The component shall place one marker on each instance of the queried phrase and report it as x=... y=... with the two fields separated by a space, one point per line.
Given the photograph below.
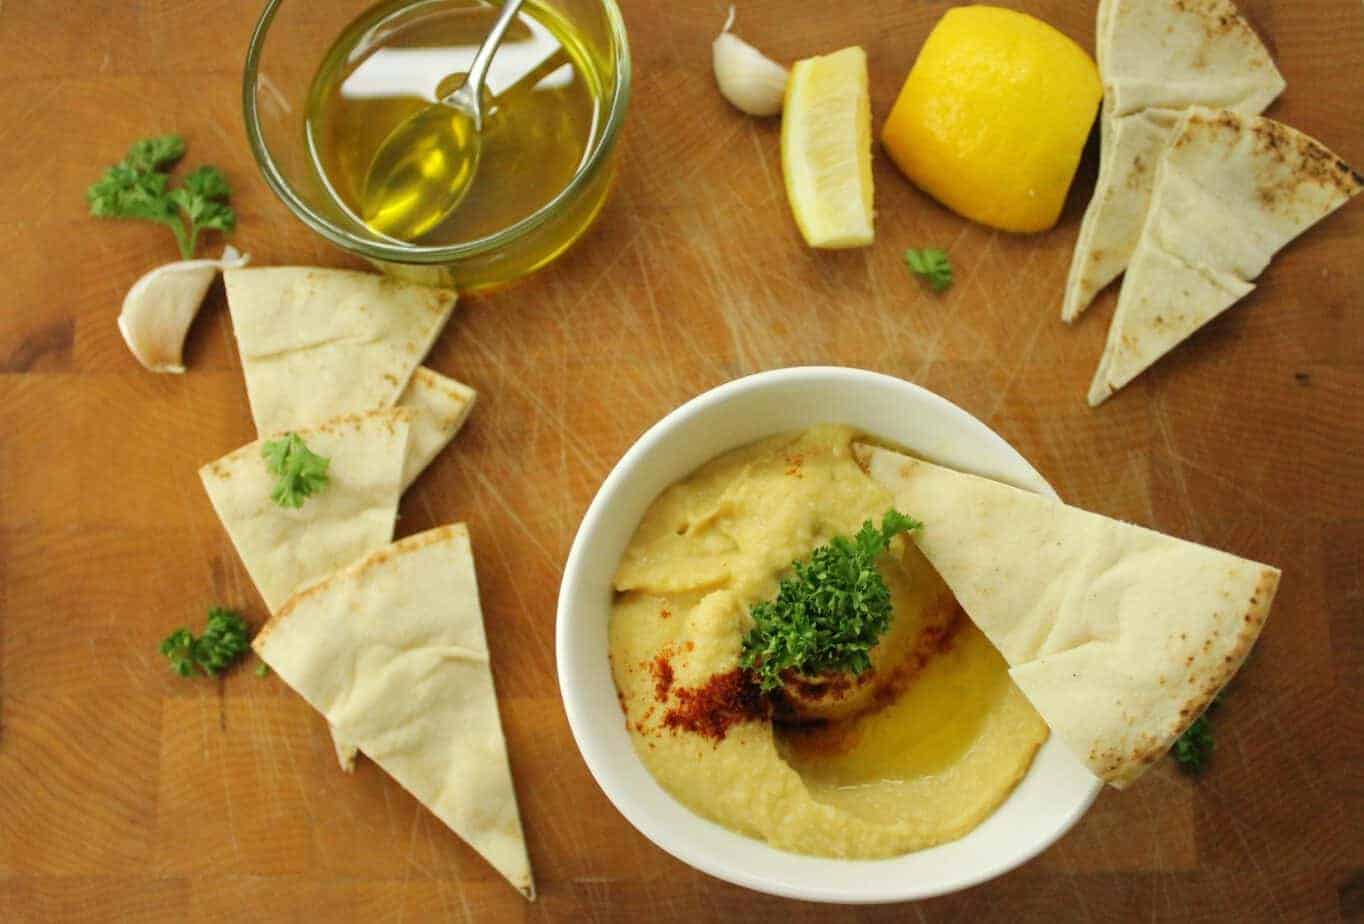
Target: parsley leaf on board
x=178 y=648
x=830 y=612
x=301 y=471
x=224 y=641
x=138 y=187
x=156 y=153
x=932 y=265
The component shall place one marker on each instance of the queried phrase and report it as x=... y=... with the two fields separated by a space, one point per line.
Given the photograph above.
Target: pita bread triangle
x=1119 y=636
x=316 y=343
x=391 y=649
x=1156 y=58
x=284 y=548
x=1172 y=54
x=1230 y=192
x=440 y=405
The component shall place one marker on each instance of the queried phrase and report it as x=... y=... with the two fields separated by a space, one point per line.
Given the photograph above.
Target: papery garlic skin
x=750 y=80
x=159 y=308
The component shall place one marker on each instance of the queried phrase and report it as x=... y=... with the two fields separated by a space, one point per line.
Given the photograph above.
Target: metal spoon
x=425 y=166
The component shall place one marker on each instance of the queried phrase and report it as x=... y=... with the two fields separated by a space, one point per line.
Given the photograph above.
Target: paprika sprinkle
x=723 y=701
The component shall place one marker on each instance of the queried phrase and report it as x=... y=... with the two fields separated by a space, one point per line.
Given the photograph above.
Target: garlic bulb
x=753 y=82
x=160 y=306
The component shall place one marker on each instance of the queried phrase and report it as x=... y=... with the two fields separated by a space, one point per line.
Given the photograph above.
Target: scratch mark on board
x=1176 y=465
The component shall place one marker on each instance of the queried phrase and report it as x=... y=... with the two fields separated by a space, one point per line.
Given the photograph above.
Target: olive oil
x=938 y=753
x=542 y=108
x=421 y=173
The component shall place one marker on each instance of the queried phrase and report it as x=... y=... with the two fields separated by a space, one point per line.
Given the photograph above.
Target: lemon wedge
x=826 y=149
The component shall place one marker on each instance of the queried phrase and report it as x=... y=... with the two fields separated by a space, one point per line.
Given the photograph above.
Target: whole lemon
x=993 y=117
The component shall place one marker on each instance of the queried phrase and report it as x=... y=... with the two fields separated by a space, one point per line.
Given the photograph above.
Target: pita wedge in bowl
x=1156 y=59
x=1119 y=636
x=392 y=650
x=1229 y=193
x=284 y=548
x=316 y=342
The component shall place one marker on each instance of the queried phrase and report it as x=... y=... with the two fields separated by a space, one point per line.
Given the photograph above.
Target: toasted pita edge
x=357 y=568
x=1120 y=769
x=396 y=415
x=446 y=427
x=1320 y=164
x=1212 y=21
x=443 y=301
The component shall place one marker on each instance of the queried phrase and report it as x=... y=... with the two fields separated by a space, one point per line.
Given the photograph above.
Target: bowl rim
x=594 y=755
x=598 y=157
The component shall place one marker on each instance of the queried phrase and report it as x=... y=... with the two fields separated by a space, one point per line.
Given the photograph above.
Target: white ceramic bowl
x=1057 y=789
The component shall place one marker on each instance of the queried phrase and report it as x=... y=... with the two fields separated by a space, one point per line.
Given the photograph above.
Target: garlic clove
x=159 y=308
x=750 y=80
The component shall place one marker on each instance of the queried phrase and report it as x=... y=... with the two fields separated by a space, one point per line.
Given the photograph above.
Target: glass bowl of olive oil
x=326 y=83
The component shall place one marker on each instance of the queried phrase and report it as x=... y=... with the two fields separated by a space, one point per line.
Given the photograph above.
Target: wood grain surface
x=127 y=793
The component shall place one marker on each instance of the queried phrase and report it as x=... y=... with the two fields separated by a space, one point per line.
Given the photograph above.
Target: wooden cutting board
x=127 y=793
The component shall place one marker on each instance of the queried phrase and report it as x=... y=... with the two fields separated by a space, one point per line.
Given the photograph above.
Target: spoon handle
x=469 y=96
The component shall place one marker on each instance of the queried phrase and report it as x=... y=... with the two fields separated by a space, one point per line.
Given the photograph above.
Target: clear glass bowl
x=289 y=43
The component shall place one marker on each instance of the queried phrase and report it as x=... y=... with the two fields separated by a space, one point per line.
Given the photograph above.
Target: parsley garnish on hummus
x=830 y=612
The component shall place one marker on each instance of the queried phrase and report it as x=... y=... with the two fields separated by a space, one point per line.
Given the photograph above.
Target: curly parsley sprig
x=139 y=187
x=225 y=640
x=830 y=612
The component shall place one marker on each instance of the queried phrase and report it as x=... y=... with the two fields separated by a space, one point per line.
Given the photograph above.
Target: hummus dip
x=915 y=752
